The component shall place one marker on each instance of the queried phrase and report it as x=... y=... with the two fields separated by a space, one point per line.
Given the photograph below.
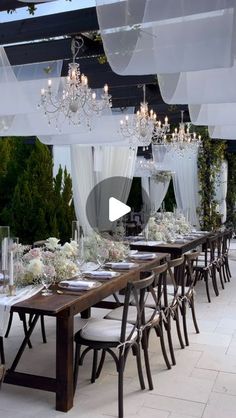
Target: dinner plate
x=79 y=285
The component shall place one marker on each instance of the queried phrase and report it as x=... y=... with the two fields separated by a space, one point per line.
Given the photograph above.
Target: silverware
x=65 y=292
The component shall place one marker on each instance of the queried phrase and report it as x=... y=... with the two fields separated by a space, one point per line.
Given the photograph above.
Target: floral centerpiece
x=53 y=259
x=167 y=227
x=113 y=250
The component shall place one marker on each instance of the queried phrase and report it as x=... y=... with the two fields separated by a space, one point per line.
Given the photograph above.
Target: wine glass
x=46 y=281
x=102 y=256
x=81 y=257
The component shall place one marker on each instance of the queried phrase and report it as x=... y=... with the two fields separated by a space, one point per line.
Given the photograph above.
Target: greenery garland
x=231 y=191
x=31 y=8
x=211 y=155
x=161 y=176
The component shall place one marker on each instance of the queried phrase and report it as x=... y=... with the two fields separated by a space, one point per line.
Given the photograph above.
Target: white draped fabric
x=222 y=132
x=197 y=87
x=148 y=36
x=115 y=161
x=21 y=85
x=155 y=190
x=213 y=114
x=185 y=178
x=221 y=190
x=82 y=180
x=158 y=192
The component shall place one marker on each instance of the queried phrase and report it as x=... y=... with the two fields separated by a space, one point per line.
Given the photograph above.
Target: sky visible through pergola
x=47 y=9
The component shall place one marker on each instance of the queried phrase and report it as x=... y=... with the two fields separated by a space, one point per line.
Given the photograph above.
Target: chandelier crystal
x=183 y=136
x=139 y=128
x=75 y=102
x=180 y=140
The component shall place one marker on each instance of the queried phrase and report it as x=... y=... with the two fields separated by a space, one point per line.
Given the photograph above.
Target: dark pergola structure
x=19 y=38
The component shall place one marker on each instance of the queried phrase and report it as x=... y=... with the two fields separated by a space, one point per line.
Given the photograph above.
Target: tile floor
x=202 y=384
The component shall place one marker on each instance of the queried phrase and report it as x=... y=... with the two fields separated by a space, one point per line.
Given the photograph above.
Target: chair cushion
x=117 y=313
x=149 y=302
x=104 y=330
x=170 y=290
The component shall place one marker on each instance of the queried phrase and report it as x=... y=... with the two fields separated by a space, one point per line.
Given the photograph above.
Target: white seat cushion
x=103 y=330
x=170 y=290
x=149 y=302
x=117 y=313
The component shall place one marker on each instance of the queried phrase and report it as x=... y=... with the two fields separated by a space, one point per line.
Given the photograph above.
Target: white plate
x=78 y=284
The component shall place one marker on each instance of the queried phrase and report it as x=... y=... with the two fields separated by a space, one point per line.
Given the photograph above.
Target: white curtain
x=158 y=191
x=222 y=132
x=155 y=190
x=148 y=36
x=183 y=165
x=213 y=114
x=114 y=161
x=82 y=180
x=196 y=87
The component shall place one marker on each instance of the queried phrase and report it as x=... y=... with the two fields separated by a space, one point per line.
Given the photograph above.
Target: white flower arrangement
x=54 y=260
x=161 y=176
x=113 y=250
x=167 y=228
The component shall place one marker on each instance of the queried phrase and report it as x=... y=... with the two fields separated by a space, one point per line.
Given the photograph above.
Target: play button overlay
x=107 y=208
x=117 y=209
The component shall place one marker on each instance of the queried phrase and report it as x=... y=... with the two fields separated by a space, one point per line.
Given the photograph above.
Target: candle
x=76 y=236
x=4 y=254
x=11 y=270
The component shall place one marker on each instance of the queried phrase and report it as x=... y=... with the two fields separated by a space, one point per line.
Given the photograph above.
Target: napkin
x=122 y=265
x=151 y=243
x=143 y=256
x=100 y=274
x=79 y=284
x=7 y=301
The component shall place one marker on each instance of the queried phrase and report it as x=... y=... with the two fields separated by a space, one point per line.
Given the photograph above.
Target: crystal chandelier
x=75 y=101
x=183 y=136
x=180 y=140
x=160 y=132
x=139 y=128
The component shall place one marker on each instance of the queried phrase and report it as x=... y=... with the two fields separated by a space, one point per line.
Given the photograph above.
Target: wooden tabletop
x=172 y=248
x=79 y=301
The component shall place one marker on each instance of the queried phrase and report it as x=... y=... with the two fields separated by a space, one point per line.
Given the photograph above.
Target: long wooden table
x=64 y=307
x=175 y=249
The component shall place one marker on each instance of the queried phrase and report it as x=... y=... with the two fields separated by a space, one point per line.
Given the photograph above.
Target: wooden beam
x=10 y=5
x=50 y=51
x=59 y=24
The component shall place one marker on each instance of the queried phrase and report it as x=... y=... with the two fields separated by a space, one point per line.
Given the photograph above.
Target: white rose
x=35 y=267
x=68 y=249
x=52 y=243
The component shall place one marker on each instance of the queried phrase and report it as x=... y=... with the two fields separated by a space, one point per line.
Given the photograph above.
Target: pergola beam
x=44 y=27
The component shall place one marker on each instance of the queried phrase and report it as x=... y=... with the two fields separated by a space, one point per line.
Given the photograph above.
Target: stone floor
x=202 y=384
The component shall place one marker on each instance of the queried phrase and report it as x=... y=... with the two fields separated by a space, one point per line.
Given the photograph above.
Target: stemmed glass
x=46 y=281
x=81 y=256
x=102 y=256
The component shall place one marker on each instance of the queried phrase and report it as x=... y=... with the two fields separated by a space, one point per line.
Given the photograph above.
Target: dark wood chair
x=176 y=271
x=117 y=338
x=153 y=314
x=206 y=266
x=227 y=235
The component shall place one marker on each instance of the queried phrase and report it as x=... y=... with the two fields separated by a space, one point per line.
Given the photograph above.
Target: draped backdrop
x=91 y=165
x=185 y=177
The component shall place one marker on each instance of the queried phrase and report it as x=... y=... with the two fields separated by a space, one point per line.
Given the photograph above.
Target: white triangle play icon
x=117 y=209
